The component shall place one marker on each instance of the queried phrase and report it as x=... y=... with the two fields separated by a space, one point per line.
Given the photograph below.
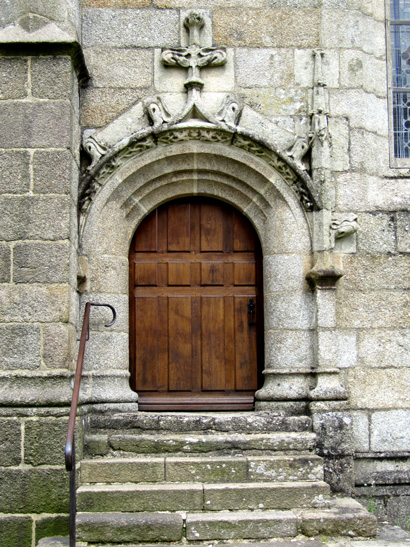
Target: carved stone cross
x=194 y=57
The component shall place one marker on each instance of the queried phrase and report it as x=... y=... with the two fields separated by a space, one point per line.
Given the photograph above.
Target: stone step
x=198 y=496
x=342 y=517
x=244 y=422
x=203 y=469
x=126 y=527
x=221 y=443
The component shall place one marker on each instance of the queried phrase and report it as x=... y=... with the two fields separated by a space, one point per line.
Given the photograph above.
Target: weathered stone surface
x=278 y=468
x=334 y=433
x=101 y=106
x=377 y=233
x=262 y=496
x=265 y=28
x=241 y=525
x=264 y=67
x=52 y=172
x=288 y=348
x=339 y=151
x=10 y=439
x=15 y=531
x=380 y=272
x=282 y=101
x=14 y=172
x=381 y=471
x=363 y=110
x=35 y=125
x=304 y=63
x=209 y=3
x=129 y=527
x=106 y=351
x=49 y=526
x=389 y=429
x=206 y=469
x=53 y=9
x=361 y=192
x=34 y=217
x=13 y=78
x=361 y=141
x=40 y=490
x=19 y=347
x=361 y=434
x=284 y=273
x=116 y=3
x=5 y=263
x=96 y=445
x=337 y=348
x=345 y=517
x=359 y=70
x=114 y=67
x=35 y=262
x=373 y=309
x=384 y=348
x=136 y=497
x=223 y=443
x=59 y=345
x=44 y=441
x=289 y=310
x=123 y=470
x=28 y=303
x=325 y=309
x=383 y=388
x=340 y=28
x=403 y=231
x=108 y=274
x=190 y=422
x=130 y=27
x=52 y=78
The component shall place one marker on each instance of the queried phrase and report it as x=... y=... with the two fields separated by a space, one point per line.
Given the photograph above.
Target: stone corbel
x=298 y=151
x=324 y=274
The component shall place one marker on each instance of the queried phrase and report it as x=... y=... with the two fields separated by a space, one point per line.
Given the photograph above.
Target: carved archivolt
x=107 y=164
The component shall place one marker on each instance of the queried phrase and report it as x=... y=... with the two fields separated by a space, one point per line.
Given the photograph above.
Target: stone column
x=40 y=67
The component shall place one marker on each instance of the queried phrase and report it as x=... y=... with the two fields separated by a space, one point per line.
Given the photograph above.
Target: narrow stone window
x=400 y=78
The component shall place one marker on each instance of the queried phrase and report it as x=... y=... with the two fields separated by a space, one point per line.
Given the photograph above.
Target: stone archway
x=164 y=172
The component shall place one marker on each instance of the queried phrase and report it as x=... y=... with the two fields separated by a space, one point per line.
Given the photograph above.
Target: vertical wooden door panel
x=180 y=344
x=147 y=235
x=211 y=228
x=193 y=264
x=179 y=227
x=213 y=343
x=146 y=355
x=245 y=345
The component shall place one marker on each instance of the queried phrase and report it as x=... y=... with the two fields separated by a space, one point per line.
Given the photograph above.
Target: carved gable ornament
x=157 y=126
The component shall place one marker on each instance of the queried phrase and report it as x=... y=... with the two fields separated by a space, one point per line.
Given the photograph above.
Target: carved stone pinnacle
x=194 y=57
x=194 y=23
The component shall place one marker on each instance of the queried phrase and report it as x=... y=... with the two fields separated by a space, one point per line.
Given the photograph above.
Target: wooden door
x=195 y=308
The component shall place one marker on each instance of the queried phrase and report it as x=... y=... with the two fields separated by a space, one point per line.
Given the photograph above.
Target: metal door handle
x=251 y=312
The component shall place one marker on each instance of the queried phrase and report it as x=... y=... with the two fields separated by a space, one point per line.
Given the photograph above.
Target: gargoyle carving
x=95 y=149
x=157 y=111
x=344 y=226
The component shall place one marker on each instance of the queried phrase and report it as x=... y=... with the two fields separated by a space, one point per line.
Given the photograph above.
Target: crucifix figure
x=194 y=57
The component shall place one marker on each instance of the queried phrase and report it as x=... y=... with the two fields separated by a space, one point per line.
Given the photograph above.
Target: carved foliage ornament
x=205 y=134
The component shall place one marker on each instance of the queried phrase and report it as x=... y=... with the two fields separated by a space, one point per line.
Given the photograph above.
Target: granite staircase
x=188 y=477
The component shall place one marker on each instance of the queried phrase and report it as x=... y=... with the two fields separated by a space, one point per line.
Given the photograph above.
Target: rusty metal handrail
x=70 y=442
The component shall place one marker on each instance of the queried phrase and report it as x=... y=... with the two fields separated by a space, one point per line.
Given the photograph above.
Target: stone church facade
x=287 y=112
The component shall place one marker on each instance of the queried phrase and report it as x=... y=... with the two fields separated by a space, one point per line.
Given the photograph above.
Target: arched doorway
x=196 y=318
